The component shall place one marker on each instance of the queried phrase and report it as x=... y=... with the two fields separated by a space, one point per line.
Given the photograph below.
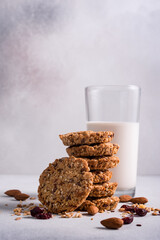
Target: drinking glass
x=117 y=108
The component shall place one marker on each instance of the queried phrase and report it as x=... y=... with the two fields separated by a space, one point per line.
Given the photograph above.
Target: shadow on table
x=104 y=228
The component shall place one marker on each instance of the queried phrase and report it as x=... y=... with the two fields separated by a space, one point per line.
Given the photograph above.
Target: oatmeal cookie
x=108 y=203
x=102 y=163
x=104 y=190
x=86 y=137
x=102 y=149
x=101 y=177
x=65 y=184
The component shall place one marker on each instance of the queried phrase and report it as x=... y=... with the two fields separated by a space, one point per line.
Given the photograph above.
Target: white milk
x=126 y=134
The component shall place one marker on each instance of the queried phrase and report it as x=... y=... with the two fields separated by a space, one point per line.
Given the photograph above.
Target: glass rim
x=129 y=87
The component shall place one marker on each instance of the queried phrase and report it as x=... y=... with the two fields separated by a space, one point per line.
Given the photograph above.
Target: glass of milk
x=117 y=108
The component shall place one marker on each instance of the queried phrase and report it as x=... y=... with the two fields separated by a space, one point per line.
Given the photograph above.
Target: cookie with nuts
x=102 y=149
x=86 y=137
x=101 y=176
x=106 y=203
x=103 y=190
x=102 y=163
x=65 y=184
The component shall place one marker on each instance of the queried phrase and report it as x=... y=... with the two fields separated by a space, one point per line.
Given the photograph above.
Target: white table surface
x=29 y=228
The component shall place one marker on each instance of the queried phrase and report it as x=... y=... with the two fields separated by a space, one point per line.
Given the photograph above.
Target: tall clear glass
x=117 y=108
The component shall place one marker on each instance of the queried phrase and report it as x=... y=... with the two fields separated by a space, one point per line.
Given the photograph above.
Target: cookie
x=65 y=184
x=102 y=163
x=102 y=149
x=104 y=190
x=108 y=203
x=101 y=177
x=86 y=137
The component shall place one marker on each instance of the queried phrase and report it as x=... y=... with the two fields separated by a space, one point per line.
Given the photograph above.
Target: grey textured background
x=50 y=50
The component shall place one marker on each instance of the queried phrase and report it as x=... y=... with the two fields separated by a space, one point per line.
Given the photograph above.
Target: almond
x=21 y=196
x=12 y=192
x=112 y=223
x=140 y=200
x=92 y=210
x=125 y=198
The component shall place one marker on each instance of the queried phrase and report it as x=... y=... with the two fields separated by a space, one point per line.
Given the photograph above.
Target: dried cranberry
x=36 y=211
x=128 y=220
x=128 y=208
x=43 y=215
x=124 y=206
x=141 y=211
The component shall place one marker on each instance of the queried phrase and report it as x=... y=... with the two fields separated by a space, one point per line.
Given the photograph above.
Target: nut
x=155 y=213
x=112 y=223
x=12 y=192
x=21 y=196
x=125 y=198
x=140 y=200
x=92 y=210
x=121 y=209
x=148 y=209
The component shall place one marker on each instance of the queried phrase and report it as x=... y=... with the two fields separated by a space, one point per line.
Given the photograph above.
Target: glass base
x=130 y=192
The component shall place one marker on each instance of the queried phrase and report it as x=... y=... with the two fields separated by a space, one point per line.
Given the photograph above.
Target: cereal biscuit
x=102 y=149
x=65 y=184
x=101 y=177
x=86 y=137
x=104 y=190
x=102 y=163
x=108 y=203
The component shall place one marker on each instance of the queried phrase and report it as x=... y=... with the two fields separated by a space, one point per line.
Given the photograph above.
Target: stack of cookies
x=99 y=152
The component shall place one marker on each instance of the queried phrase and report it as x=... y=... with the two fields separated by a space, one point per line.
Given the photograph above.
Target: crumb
x=155 y=213
x=138 y=225
x=77 y=215
x=18 y=218
x=121 y=210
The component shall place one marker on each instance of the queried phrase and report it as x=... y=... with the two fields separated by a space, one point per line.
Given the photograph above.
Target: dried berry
x=128 y=220
x=36 y=210
x=128 y=208
x=43 y=215
x=141 y=211
x=125 y=206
